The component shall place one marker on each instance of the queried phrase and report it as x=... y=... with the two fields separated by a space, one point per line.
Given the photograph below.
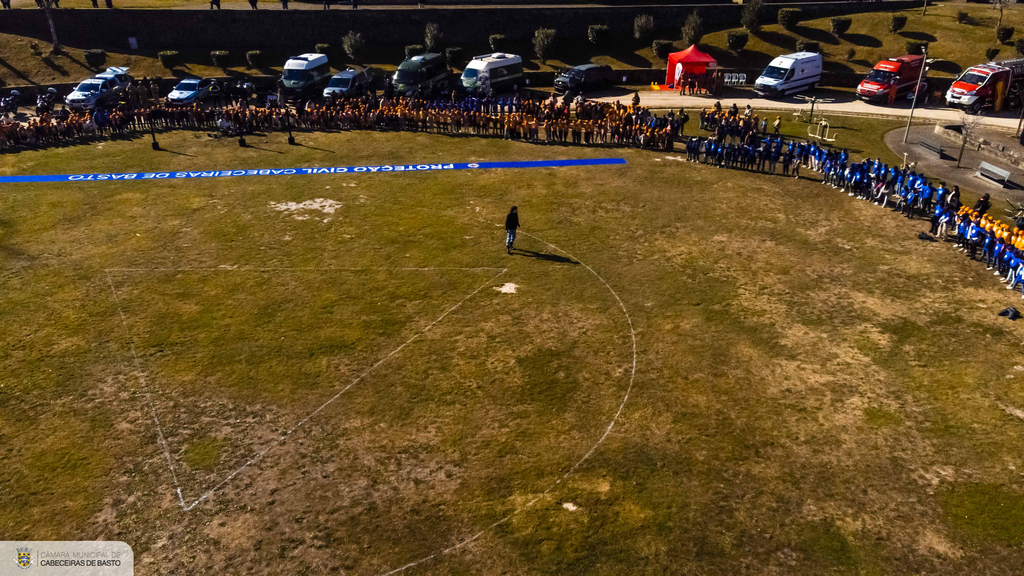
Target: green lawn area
x=955 y=45
x=817 y=391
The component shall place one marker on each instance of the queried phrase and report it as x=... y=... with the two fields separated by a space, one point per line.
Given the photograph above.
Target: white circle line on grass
x=608 y=430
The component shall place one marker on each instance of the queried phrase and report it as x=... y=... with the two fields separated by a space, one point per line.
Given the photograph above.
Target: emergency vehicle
x=890 y=78
x=996 y=84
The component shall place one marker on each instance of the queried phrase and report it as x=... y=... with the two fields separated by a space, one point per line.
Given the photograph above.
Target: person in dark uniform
x=511 y=224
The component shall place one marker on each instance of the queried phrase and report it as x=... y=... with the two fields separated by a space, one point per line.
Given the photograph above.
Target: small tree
x=543 y=40
x=599 y=35
x=220 y=58
x=95 y=58
x=851 y=54
x=736 y=40
x=254 y=58
x=453 y=56
x=662 y=48
x=354 y=45
x=496 y=42
x=46 y=6
x=991 y=53
x=808 y=46
x=414 y=50
x=1001 y=5
x=168 y=58
x=789 y=18
x=1004 y=33
x=962 y=17
x=693 y=29
x=751 y=16
x=915 y=47
x=643 y=26
x=432 y=36
x=897 y=23
x=322 y=48
x=969 y=126
x=841 y=25
x=1019 y=46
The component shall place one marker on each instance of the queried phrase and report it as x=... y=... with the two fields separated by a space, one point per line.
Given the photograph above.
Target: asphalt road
x=845 y=102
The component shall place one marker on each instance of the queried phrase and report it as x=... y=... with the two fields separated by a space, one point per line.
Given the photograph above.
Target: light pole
x=920 y=76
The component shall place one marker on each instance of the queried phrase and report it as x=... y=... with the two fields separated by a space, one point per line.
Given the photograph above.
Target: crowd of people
x=230 y=112
x=726 y=139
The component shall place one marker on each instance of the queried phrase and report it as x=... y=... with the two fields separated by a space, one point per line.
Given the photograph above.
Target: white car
x=100 y=90
x=190 y=91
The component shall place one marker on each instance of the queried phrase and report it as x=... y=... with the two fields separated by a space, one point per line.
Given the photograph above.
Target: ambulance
x=996 y=84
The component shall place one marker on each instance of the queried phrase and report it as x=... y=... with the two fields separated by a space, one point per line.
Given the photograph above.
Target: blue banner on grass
x=371 y=169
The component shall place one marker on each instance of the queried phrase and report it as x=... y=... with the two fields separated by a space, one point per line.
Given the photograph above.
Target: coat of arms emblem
x=24 y=560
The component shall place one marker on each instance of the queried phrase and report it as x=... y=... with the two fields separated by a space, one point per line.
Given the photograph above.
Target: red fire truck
x=996 y=84
x=890 y=78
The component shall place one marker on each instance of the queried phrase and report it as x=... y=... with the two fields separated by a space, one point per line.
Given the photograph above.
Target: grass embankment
x=955 y=45
x=817 y=391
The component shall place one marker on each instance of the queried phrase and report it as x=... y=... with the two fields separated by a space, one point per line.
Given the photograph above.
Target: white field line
x=145 y=391
x=608 y=430
x=259 y=456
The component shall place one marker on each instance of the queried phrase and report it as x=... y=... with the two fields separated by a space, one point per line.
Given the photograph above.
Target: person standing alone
x=511 y=224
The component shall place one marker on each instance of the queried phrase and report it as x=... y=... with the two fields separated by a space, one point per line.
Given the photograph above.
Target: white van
x=304 y=76
x=789 y=74
x=495 y=72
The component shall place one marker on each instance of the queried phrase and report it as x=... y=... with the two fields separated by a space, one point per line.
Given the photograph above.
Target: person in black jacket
x=511 y=224
x=982 y=205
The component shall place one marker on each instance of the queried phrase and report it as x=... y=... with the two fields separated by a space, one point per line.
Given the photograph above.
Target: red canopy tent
x=689 y=60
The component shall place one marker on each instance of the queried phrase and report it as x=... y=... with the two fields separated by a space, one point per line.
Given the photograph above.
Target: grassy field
x=816 y=391
x=955 y=45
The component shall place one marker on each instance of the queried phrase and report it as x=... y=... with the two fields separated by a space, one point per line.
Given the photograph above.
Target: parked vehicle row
x=999 y=85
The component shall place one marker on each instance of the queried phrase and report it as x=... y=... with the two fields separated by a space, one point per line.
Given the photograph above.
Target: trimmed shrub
x=962 y=17
x=753 y=12
x=915 y=47
x=693 y=29
x=496 y=42
x=897 y=23
x=168 y=58
x=95 y=58
x=543 y=41
x=662 y=48
x=789 y=18
x=354 y=45
x=851 y=54
x=433 y=38
x=808 y=46
x=322 y=48
x=220 y=58
x=841 y=25
x=1004 y=33
x=254 y=58
x=599 y=35
x=1019 y=46
x=453 y=56
x=643 y=26
x=736 y=40
x=991 y=53
x=414 y=50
